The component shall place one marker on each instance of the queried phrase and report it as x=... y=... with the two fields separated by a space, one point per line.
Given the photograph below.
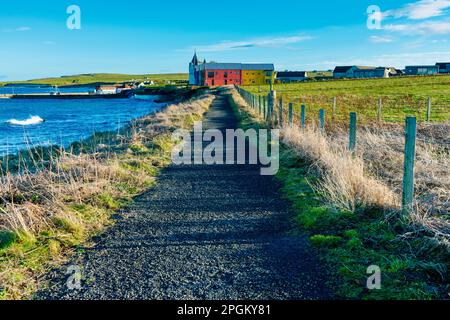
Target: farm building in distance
x=219 y=74
x=291 y=76
x=444 y=67
x=421 y=70
x=361 y=72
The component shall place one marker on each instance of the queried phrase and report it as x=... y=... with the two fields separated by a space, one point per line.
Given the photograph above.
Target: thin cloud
x=399 y=60
x=381 y=39
x=19 y=29
x=424 y=17
x=420 y=10
x=423 y=28
x=255 y=43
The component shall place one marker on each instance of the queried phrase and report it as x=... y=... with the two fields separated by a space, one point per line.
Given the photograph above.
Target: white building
x=106 y=90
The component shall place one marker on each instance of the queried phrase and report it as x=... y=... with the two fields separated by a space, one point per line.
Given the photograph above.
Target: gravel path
x=204 y=232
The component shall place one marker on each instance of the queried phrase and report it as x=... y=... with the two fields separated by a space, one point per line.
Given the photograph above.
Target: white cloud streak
x=399 y=60
x=424 y=17
x=423 y=28
x=381 y=39
x=19 y=29
x=423 y=9
x=275 y=42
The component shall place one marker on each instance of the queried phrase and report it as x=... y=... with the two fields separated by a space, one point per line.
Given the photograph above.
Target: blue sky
x=160 y=36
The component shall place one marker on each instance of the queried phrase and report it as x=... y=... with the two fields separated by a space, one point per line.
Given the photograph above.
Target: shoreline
x=174 y=98
x=88 y=142
x=75 y=195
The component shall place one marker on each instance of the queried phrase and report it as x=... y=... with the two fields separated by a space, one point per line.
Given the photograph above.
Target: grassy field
x=400 y=97
x=103 y=78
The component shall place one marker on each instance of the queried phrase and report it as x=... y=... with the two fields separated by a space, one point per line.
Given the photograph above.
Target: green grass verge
x=350 y=242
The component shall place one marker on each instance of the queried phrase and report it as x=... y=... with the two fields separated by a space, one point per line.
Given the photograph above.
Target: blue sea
x=44 y=122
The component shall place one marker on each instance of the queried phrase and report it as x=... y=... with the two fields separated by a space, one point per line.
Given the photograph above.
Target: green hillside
x=84 y=79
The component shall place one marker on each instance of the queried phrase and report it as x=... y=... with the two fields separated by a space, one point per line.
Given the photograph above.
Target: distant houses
x=218 y=74
x=421 y=70
x=291 y=76
x=444 y=67
x=364 y=72
x=113 y=89
x=106 y=90
x=221 y=74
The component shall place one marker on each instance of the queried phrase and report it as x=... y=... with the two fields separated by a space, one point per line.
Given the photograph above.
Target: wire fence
x=383 y=109
x=278 y=113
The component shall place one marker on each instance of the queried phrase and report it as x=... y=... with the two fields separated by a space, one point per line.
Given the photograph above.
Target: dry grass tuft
x=373 y=176
x=344 y=180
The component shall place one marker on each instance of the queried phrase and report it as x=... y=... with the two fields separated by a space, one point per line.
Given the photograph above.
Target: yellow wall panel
x=254 y=77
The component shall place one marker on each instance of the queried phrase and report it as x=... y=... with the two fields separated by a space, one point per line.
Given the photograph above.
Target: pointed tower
x=192 y=70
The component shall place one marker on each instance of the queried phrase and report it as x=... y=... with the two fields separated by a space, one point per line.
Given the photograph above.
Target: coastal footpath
x=203 y=232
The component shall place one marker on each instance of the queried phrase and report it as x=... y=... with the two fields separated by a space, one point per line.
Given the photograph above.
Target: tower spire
x=195 y=59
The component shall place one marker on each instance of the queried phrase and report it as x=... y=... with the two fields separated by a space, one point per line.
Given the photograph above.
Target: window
x=210 y=74
x=423 y=71
x=225 y=75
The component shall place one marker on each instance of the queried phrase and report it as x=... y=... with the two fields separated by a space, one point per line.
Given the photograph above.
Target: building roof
x=195 y=59
x=435 y=66
x=222 y=66
x=258 y=66
x=365 y=68
x=443 y=64
x=342 y=69
x=238 y=66
x=291 y=74
x=105 y=87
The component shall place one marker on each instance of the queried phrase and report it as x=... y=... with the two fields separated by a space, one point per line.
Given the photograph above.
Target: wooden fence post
x=429 y=110
x=334 y=110
x=264 y=107
x=303 y=117
x=352 y=136
x=270 y=101
x=272 y=108
x=380 y=110
x=322 y=120
x=291 y=113
x=408 y=171
x=281 y=111
x=259 y=104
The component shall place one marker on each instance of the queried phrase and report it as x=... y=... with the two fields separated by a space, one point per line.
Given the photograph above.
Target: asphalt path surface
x=215 y=232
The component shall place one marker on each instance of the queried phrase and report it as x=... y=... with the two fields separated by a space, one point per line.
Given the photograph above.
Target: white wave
x=28 y=122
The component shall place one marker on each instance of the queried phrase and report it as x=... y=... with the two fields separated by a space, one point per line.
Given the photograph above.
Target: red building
x=215 y=74
x=222 y=74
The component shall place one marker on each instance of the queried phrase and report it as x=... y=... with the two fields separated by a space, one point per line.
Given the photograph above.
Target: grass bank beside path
x=60 y=202
x=352 y=216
